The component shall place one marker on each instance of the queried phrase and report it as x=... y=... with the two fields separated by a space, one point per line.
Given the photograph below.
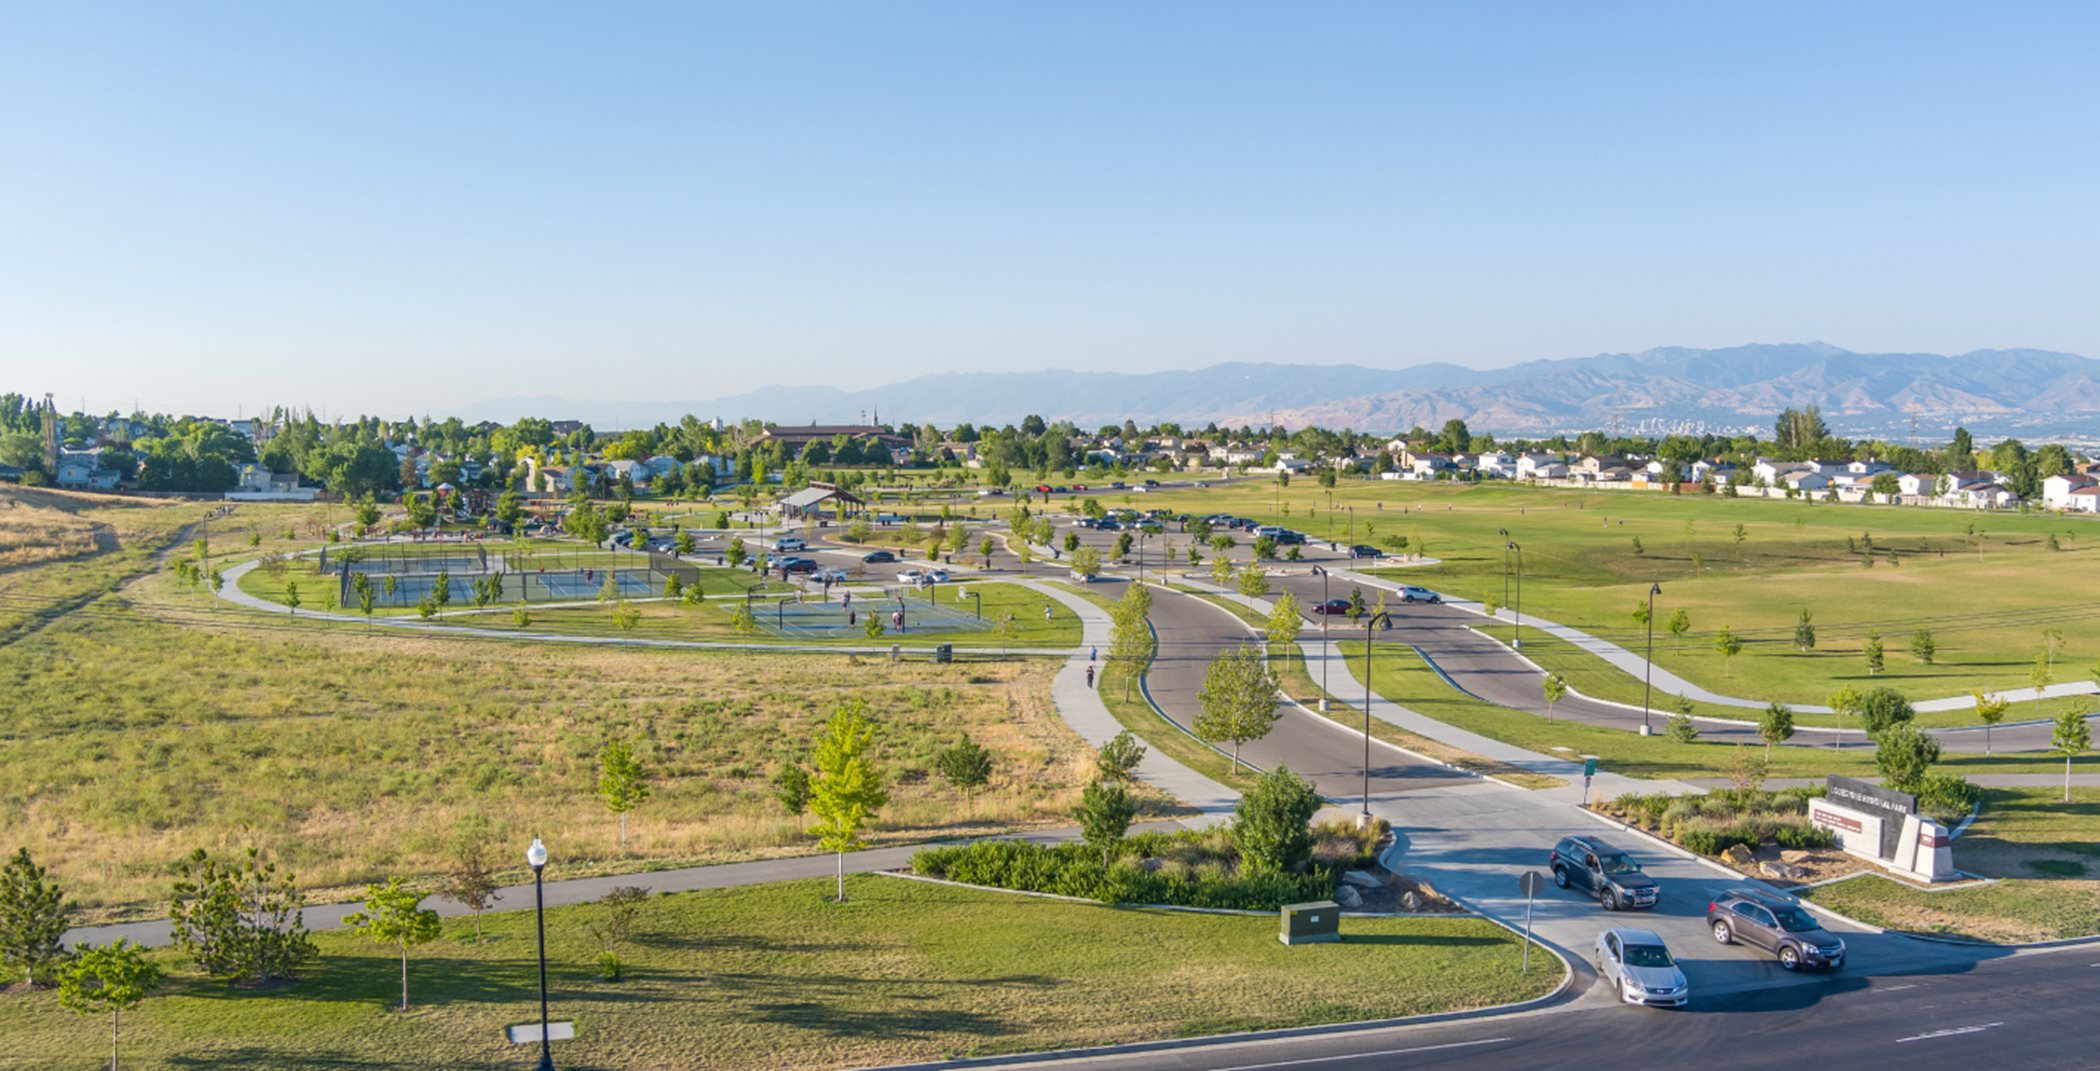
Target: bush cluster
x=1718 y=820
x=1946 y=797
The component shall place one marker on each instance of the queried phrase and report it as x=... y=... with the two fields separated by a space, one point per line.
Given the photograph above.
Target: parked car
x=796 y=565
x=1087 y=522
x=1776 y=923
x=1077 y=487
x=1151 y=527
x=1084 y=578
x=1202 y=483
x=911 y=576
x=1289 y=538
x=1109 y=524
x=1042 y=488
x=990 y=492
x=1411 y=593
x=1640 y=967
x=936 y=576
x=1602 y=871
x=878 y=556
x=829 y=576
x=1117 y=486
x=1364 y=550
x=790 y=543
x=1331 y=606
x=1151 y=483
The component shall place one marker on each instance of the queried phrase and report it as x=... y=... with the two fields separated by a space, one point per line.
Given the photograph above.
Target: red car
x=1042 y=488
x=1331 y=606
x=1078 y=487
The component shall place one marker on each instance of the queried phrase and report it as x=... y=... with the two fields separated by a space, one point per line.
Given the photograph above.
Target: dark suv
x=1776 y=923
x=1605 y=872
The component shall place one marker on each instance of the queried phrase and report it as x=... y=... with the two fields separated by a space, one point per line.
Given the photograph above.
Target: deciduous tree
x=622 y=784
x=847 y=789
x=115 y=978
x=1271 y=823
x=394 y=915
x=1239 y=699
x=2071 y=738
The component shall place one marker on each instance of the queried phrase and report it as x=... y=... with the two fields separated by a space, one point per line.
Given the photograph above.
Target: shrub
x=1946 y=797
x=1191 y=873
x=1802 y=837
x=1270 y=823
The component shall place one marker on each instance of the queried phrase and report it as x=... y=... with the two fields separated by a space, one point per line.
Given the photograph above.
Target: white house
x=1535 y=466
x=2082 y=499
x=2056 y=490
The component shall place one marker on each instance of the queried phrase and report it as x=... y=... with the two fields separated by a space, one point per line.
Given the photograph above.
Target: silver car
x=1639 y=966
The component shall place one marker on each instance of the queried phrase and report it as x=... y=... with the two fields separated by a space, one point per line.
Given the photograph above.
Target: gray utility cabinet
x=1310 y=924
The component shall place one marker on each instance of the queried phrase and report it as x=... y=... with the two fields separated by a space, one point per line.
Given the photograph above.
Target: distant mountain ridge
x=1734 y=387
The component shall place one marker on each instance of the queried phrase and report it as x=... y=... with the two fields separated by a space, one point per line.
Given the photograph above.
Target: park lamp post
x=1516 y=641
x=1370 y=623
x=1648 y=666
x=1504 y=533
x=1321 y=572
x=536 y=857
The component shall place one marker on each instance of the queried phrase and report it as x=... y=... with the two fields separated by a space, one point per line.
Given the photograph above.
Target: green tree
x=1283 y=624
x=1555 y=688
x=2041 y=674
x=114 y=978
x=1253 y=582
x=1875 y=660
x=622 y=784
x=1118 y=759
x=1903 y=753
x=966 y=766
x=1922 y=646
x=1239 y=699
x=673 y=587
x=471 y=880
x=394 y=915
x=33 y=919
x=1640 y=612
x=1727 y=646
x=1805 y=633
x=1681 y=727
x=736 y=552
x=791 y=789
x=1638 y=552
x=626 y=615
x=1105 y=812
x=1271 y=824
x=367 y=512
x=1881 y=708
x=1221 y=570
x=871 y=625
x=1846 y=700
x=521 y=617
x=1680 y=622
x=291 y=594
x=239 y=920
x=1990 y=710
x=1086 y=561
x=2071 y=738
x=744 y=623
x=847 y=789
x=1775 y=725
x=1130 y=633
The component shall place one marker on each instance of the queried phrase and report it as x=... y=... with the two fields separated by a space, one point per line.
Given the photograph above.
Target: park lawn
x=775 y=976
x=2013 y=911
x=1594 y=677
x=1986 y=612
x=1402 y=676
x=714 y=620
x=135 y=732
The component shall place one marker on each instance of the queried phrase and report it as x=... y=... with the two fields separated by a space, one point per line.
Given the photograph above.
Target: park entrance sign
x=1883 y=825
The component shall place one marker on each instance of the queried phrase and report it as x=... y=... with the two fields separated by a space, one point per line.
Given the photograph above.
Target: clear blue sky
x=408 y=207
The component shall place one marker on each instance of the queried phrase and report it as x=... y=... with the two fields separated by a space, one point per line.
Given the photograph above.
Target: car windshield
x=1618 y=864
x=1795 y=920
x=1647 y=956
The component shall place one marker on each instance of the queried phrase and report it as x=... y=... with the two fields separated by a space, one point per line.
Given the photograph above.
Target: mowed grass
x=133 y=733
x=773 y=976
x=1986 y=597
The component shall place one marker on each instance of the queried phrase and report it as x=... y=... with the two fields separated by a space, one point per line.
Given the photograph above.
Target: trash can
x=1311 y=923
x=944 y=652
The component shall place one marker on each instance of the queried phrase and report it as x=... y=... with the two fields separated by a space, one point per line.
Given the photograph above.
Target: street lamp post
x=536 y=857
x=1504 y=533
x=976 y=601
x=1648 y=667
x=1516 y=641
x=1324 y=615
x=1369 y=623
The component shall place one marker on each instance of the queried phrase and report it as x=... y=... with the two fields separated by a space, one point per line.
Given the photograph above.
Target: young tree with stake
x=394 y=915
x=847 y=789
x=2071 y=738
x=622 y=786
x=1555 y=688
x=967 y=767
x=1775 y=725
x=1990 y=710
x=1239 y=699
x=113 y=977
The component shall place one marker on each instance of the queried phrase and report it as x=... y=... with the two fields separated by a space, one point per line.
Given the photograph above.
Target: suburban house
x=2082 y=499
x=258 y=484
x=1803 y=478
x=1534 y=466
x=82 y=470
x=1425 y=465
x=2057 y=490
x=796 y=439
x=1290 y=464
x=1500 y=464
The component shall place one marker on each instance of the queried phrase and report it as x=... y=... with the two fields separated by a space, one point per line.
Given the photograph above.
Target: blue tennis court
x=831 y=621
x=589 y=584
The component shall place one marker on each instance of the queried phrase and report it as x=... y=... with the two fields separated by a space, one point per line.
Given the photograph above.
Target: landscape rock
x=1362 y=879
x=1410 y=902
x=1772 y=868
x=1796 y=856
x=1737 y=855
x=1348 y=897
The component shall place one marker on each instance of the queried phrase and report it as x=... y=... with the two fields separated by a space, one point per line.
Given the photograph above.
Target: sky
x=412 y=207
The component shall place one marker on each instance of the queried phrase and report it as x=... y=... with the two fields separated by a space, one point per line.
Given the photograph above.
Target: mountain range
x=2033 y=392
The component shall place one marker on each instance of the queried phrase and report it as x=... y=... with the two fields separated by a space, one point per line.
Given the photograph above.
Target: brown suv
x=1776 y=923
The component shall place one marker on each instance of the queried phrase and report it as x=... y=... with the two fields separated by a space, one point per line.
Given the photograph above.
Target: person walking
x=1046 y=615
x=1090 y=675
x=1092 y=653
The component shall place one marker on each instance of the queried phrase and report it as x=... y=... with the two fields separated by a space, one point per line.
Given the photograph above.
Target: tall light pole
x=1369 y=623
x=1330 y=515
x=1648 y=668
x=536 y=857
x=1324 y=615
x=1504 y=533
x=1516 y=641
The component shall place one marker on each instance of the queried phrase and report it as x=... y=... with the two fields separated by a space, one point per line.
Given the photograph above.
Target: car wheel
x=1560 y=877
x=1610 y=900
x=1721 y=934
x=1789 y=957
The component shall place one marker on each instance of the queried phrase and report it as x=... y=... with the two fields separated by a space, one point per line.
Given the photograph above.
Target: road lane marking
x=1894 y=988
x=1954 y=1032
x=1366 y=1055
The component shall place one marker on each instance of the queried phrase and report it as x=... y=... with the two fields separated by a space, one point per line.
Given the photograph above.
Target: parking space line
x=1949 y=1033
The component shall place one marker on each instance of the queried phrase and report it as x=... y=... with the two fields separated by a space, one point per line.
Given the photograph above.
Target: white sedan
x=1639 y=966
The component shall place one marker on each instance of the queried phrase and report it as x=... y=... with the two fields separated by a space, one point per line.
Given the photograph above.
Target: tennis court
x=832 y=621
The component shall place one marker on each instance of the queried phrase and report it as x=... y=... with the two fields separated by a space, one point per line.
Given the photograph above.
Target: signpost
x=1531 y=881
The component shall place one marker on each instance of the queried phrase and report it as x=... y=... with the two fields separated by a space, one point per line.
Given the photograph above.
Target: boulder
x=1737 y=855
x=1773 y=868
x=1410 y=902
x=1348 y=897
x=1362 y=879
x=1795 y=856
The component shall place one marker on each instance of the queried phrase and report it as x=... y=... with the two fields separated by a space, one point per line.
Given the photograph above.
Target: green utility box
x=944 y=653
x=1311 y=924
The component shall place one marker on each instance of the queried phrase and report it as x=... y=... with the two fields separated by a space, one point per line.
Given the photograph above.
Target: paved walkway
x=1667 y=682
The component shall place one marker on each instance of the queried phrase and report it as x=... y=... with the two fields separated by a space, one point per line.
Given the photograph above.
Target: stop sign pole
x=1531 y=881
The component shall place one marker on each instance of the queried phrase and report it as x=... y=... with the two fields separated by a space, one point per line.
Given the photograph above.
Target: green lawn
x=1401 y=676
x=1986 y=612
x=773 y=976
x=2016 y=910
